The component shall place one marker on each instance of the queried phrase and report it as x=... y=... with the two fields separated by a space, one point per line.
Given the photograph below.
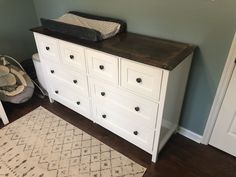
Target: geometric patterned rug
x=41 y=144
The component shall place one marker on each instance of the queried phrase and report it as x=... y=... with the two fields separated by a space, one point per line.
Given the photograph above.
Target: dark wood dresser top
x=157 y=52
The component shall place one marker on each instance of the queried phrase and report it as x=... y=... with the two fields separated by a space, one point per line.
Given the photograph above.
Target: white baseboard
x=189 y=134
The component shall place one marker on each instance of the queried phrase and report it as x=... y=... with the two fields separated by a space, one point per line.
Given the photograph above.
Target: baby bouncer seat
x=15 y=85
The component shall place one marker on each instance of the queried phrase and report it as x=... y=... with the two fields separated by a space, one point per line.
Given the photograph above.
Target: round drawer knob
x=72 y=57
x=56 y=91
x=47 y=48
x=52 y=71
x=75 y=81
x=137 y=109
x=101 y=67
x=138 y=80
x=104 y=116
x=103 y=93
x=135 y=132
x=78 y=103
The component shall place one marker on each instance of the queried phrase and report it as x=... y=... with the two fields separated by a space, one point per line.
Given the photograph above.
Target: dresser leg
x=51 y=100
x=155 y=158
x=3 y=115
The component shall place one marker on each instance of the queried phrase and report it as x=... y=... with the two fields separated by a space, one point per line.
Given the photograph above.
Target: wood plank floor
x=181 y=157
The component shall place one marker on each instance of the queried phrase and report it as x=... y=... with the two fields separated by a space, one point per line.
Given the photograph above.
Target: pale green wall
x=208 y=24
x=16 y=18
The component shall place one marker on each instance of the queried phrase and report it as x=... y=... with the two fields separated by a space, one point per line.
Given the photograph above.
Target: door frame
x=220 y=93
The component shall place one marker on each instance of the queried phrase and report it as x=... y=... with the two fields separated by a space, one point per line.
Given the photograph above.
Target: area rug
x=41 y=144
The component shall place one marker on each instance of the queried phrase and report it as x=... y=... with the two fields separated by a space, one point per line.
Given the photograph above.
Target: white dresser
x=139 y=102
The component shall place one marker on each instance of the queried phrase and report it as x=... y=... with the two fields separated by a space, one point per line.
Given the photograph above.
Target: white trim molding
x=220 y=93
x=190 y=135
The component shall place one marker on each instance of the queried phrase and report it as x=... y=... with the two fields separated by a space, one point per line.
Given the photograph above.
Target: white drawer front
x=144 y=109
x=103 y=66
x=62 y=92
x=125 y=125
x=140 y=78
x=47 y=47
x=72 y=79
x=72 y=55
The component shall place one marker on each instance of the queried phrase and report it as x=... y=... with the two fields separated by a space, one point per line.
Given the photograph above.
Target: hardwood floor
x=181 y=157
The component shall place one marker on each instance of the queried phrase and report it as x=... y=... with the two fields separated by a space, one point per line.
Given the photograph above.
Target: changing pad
x=85 y=26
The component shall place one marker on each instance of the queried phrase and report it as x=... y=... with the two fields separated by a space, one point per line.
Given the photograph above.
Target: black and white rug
x=41 y=144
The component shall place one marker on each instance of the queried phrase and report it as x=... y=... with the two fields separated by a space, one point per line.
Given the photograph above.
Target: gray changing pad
x=106 y=28
x=85 y=26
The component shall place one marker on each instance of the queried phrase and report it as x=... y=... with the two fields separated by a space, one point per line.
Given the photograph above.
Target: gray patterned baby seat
x=15 y=85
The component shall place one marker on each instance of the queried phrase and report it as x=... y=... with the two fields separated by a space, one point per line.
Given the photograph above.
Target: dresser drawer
x=103 y=66
x=70 y=78
x=140 y=107
x=72 y=55
x=141 y=78
x=66 y=94
x=125 y=125
x=48 y=48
